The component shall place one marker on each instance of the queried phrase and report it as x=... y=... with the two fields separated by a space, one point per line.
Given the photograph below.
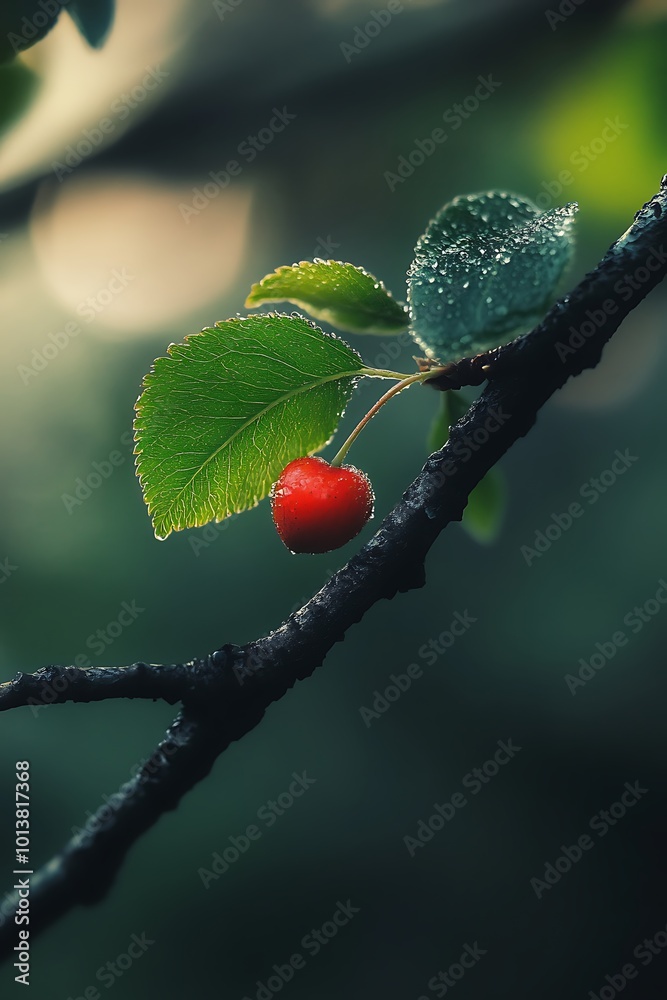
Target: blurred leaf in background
x=604 y=123
x=23 y=23
x=320 y=183
x=486 y=505
x=93 y=18
x=18 y=85
x=485 y=510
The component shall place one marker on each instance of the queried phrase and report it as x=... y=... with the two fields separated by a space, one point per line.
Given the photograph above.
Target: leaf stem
x=405 y=381
x=383 y=373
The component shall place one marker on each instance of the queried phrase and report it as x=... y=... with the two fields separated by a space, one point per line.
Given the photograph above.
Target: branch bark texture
x=224 y=695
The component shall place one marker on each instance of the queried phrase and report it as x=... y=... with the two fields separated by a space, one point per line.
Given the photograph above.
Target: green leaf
x=23 y=23
x=452 y=407
x=341 y=294
x=18 y=85
x=93 y=18
x=15 y=34
x=485 y=510
x=487 y=266
x=226 y=410
x=438 y=434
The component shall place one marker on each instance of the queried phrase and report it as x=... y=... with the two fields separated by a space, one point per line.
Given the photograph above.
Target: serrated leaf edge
x=147 y=380
x=254 y=299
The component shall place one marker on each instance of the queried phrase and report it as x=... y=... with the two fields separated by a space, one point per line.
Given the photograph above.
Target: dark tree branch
x=226 y=694
x=55 y=685
x=84 y=870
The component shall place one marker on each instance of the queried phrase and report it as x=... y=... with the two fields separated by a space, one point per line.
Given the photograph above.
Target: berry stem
x=405 y=381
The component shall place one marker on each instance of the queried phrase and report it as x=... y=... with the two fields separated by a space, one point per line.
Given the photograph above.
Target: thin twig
x=226 y=694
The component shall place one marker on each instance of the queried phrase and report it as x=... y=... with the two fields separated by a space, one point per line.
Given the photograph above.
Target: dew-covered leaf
x=487 y=267
x=333 y=292
x=227 y=409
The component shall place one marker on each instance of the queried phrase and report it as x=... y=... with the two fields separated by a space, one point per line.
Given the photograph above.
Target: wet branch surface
x=224 y=695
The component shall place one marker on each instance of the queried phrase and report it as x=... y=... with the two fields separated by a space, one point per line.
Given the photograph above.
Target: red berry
x=318 y=507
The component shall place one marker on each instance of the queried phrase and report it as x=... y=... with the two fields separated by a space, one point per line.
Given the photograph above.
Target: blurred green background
x=182 y=86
